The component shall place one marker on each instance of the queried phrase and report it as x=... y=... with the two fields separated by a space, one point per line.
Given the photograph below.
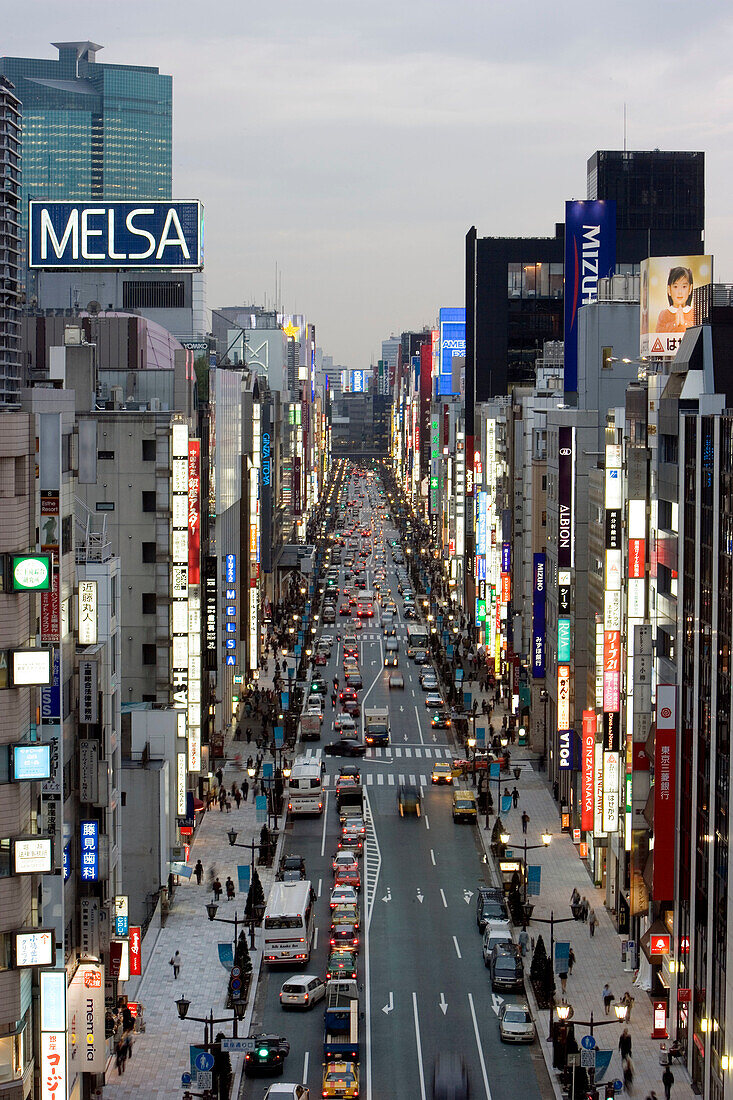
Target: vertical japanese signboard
x=664 y=792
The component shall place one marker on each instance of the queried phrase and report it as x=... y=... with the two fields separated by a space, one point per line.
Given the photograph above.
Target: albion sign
x=63 y=235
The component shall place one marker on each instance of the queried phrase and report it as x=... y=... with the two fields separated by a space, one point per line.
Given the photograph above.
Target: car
x=408 y=800
x=388 y=617
x=506 y=967
x=343 y=895
x=321 y=657
x=328 y=616
x=353 y=816
x=344 y=937
x=348 y=695
x=345 y=724
x=348 y=876
x=287 y=1091
x=440 y=721
x=450 y=1077
x=420 y=656
x=318 y=686
x=391 y=659
x=493 y=934
x=344 y=859
x=313 y=710
x=346 y=914
x=345 y=746
x=350 y=771
x=464 y=805
x=433 y=699
x=516 y=1024
x=351 y=841
x=390 y=630
x=341 y=965
x=345 y=609
x=430 y=682
x=351 y=706
x=442 y=772
x=490 y=907
x=396 y=680
x=410 y=612
x=353 y=679
x=351 y=646
x=291 y=868
x=268 y=1056
x=357 y=624
x=302 y=991
x=340 y=1079
x=327 y=639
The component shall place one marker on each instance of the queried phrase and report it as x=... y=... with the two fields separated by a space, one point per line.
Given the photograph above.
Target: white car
x=344 y=859
x=314 y=711
x=433 y=699
x=284 y=1091
x=343 y=895
x=516 y=1024
x=302 y=991
x=327 y=639
x=345 y=725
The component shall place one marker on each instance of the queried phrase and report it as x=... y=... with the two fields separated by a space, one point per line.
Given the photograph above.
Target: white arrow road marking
x=386 y=1009
x=496 y=1003
x=467 y=895
x=443 y=1004
x=388 y=895
x=458 y=950
x=405 y=737
x=435 y=737
x=445 y=903
x=401 y=708
x=420 y=896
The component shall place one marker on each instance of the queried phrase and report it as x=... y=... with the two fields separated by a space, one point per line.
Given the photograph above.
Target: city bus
x=305 y=787
x=365 y=603
x=289 y=922
x=417 y=638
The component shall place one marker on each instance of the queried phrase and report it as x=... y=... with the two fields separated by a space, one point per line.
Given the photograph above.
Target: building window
x=66 y=453
x=154 y=294
x=148 y=500
x=150 y=698
x=67 y=534
x=149 y=603
x=148 y=450
x=106 y=456
x=149 y=552
x=148 y=654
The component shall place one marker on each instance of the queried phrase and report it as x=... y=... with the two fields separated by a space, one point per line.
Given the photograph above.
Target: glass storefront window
x=13 y=1055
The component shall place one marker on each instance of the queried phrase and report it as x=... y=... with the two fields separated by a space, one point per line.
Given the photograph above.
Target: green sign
x=563 y=640
x=481 y=610
x=31 y=572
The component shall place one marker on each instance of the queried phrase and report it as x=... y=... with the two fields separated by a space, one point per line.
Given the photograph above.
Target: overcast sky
x=353 y=145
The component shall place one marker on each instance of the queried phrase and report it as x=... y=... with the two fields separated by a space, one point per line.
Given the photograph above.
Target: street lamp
x=211 y=910
x=183 y=1005
x=471 y=744
x=565 y=1013
x=546 y=838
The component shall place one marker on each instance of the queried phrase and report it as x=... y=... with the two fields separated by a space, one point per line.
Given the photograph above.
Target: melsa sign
x=63 y=235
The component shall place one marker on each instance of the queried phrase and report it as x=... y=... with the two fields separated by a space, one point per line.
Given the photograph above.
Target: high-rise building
x=10 y=167
x=92 y=130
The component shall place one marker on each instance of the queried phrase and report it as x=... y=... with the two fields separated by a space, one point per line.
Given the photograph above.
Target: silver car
x=516 y=1024
x=302 y=991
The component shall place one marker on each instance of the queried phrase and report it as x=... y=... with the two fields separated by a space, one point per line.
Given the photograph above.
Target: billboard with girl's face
x=667 y=287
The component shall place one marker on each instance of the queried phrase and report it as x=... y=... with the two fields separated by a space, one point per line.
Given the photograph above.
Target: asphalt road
x=423 y=986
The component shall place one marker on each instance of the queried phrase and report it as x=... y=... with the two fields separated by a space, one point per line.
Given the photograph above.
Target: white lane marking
x=445 y=903
x=320 y=883
x=478 y=1044
x=427 y=823
x=380 y=780
x=325 y=822
x=419 y=1048
x=432 y=857
x=390 y=780
x=315 y=938
x=306 y=1059
x=372 y=879
x=419 y=726
x=458 y=950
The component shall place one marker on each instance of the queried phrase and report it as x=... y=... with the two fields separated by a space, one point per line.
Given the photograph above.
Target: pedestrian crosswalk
x=390 y=779
x=392 y=752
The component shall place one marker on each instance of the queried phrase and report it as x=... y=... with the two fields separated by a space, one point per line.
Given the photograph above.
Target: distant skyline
x=354 y=147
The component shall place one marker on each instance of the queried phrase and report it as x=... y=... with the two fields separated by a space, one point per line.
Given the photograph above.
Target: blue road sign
x=185 y=1078
x=588 y=1042
x=204 y=1061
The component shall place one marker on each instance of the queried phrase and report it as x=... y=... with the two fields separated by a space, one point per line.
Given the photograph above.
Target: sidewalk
x=161 y=1054
x=598 y=959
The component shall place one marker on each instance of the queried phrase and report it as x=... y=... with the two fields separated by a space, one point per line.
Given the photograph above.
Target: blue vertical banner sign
x=590 y=255
x=538 y=618
x=452 y=322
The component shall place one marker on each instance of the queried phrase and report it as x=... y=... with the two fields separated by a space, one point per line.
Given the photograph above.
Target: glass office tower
x=92 y=130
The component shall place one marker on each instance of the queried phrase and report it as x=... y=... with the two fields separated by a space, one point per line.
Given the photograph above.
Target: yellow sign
x=291 y=330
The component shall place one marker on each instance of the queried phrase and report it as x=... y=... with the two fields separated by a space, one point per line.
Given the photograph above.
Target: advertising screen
x=538 y=617
x=667 y=287
x=77 y=235
x=590 y=255
x=452 y=322
x=31 y=666
x=30 y=761
x=31 y=572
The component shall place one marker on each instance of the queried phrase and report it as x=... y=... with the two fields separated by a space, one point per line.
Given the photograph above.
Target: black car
x=408 y=799
x=347 y=746
x=490 y=905
x=354 y=680
x=349 y=770
x=409 y=612
x=291 y=869
x=450 y=1077
x=268 y=1056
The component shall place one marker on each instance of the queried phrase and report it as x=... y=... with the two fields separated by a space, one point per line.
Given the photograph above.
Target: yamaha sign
x=77 y=235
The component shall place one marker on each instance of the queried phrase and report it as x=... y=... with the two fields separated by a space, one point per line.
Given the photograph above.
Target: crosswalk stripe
x=418 y=752
x=380 y=779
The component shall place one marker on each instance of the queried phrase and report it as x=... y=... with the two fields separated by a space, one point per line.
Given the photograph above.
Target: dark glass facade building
x=10 y=184
x=514 y=285
x=92 y=130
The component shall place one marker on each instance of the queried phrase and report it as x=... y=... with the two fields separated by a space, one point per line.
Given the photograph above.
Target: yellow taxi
x=464 y=805
x=340 y=1079
x=442 y=773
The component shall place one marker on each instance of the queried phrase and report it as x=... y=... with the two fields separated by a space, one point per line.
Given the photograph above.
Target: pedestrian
x=238 y=797
x=608 y=997
x=556 y=790
x=120 y=1056
x=575 y=898
x=245 y=789
x=216 y=887
x=624 y=1044
x=563 y=976
x=592 y=922
x=250 y=762
x=628 y=1000
x=219 y=776
x=524 y=941
x=248 y=734
x=238 y=733
x=175 y=962
x=199 y=872
x=525 y=821
x=229 y=805
x=584 y=907
x=515 y=797
x=628 y=1067
x=230 y=889
x=571 y=960
x=222 y=799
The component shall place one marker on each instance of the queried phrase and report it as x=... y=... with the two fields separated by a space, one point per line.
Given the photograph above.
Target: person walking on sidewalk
x=624 y=1044
x=230 y=889
x=216 y=887
x=515 y=797
x=199 y=872
x=238 y=797
x=608 y=997
x=628 y=1000
x=571 y=960
x=245 y=790
x=592 y=922
x=525 y=821
x=176 y=964
x=584 y=908
x=667 y=1081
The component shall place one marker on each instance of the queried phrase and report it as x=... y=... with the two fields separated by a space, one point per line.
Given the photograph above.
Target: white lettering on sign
x=589 y=270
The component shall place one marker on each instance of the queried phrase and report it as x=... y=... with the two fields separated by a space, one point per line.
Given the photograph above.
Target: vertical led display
x=538 y=617
x=194 y=605
x=613 y=499
x=590 y=255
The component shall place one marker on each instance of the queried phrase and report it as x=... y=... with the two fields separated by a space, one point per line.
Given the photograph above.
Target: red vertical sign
x=136 y=953
x=588 y=758
x=665 y=748
x=194 y=511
